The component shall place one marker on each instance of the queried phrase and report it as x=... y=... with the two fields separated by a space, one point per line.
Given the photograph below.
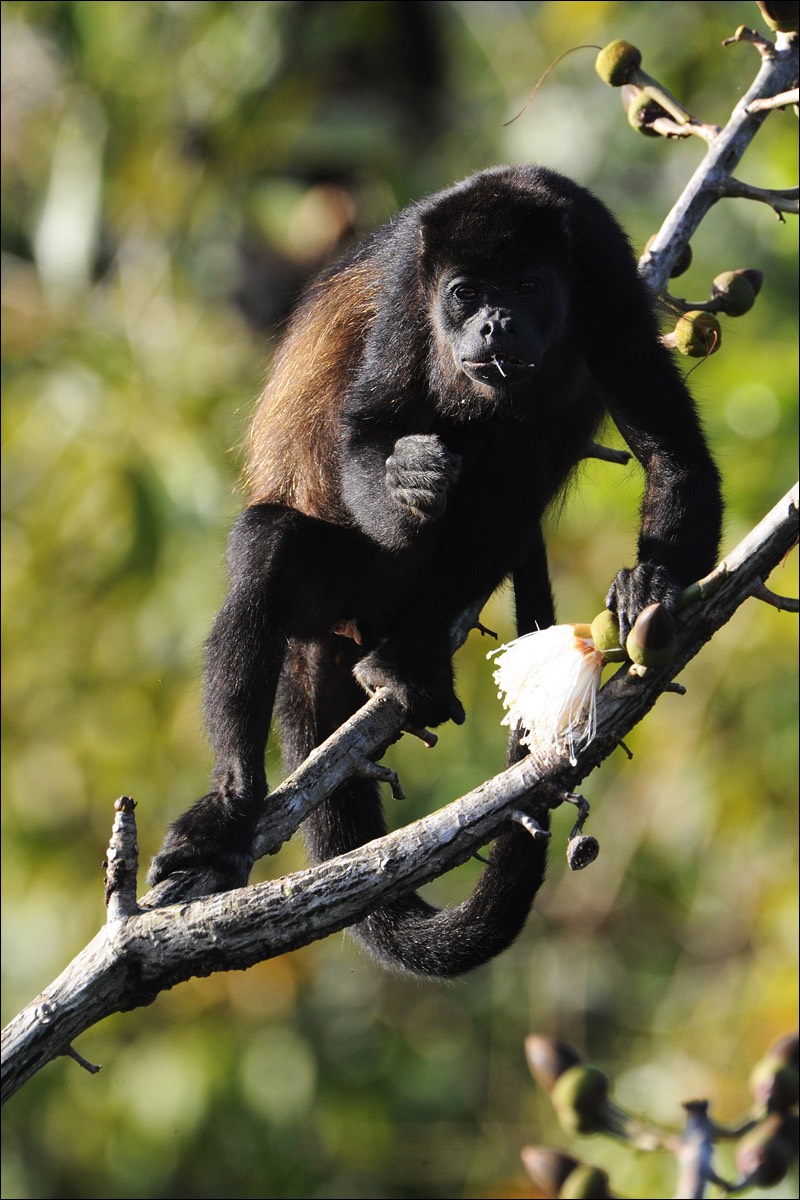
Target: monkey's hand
x=636 y=587
x=424 y=689
x=211 y=843
x=420 y=473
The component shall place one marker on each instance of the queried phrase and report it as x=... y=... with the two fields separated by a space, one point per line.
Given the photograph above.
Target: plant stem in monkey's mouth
x=500 y=363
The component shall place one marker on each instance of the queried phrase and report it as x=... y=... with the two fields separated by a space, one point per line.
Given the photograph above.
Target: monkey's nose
x=496 y=323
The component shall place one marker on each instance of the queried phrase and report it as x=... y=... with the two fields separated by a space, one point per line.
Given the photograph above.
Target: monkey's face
x=498 y=328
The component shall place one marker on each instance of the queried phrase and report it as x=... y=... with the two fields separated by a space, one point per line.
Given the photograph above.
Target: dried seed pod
x=582 y=851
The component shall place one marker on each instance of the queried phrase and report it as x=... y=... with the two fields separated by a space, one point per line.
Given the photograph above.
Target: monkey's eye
x=464 y=291
x=527 y=287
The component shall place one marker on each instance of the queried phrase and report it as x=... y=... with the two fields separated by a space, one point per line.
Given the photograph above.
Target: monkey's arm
x=533 y=596
x=534 y=609
x=681 y=515
x=681 y=512
x=395 y=480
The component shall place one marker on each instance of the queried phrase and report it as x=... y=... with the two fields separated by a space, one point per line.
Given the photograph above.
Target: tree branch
x=781 y=200
x=711 y=180
x=133 y=958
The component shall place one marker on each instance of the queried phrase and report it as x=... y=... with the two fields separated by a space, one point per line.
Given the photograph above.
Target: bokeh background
x=171 y=175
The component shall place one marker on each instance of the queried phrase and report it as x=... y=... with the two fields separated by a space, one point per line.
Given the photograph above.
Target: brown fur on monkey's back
x=292 y=442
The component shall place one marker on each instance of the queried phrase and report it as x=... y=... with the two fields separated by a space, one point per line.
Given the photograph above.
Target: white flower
x=548 y=681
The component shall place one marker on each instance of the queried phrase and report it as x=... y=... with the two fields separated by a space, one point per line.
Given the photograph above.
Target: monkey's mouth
x=499 y=370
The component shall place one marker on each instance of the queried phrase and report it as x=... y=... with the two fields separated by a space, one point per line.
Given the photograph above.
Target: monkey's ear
x=434 y=222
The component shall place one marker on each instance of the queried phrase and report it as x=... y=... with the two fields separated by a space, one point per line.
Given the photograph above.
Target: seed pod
x=774 y=1085
x=774 y=1080
x=580 y=1099
x=548 y=1059
x=753 y=276
x=682 y=262
x=764 y=1155
x=734 y=293
x=697 y=334
x=548 y=1168
x=585 y=1183
x=652 y=641
x=642 y=111
x=618 y=62
x=781 y=15
x=605 y=635
x=582 y=851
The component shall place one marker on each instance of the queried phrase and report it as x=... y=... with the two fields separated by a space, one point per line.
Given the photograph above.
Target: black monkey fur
x=434 y=392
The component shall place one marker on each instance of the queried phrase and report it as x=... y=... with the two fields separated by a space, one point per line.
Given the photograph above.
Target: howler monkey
x=432 y=395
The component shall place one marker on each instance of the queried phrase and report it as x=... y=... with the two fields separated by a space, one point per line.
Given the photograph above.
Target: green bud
x=652 y=641
x=548 y=1059
x=682 y=262
x=786 y=1049
x=697 y=334
x=580 y=1099
x=585 y=1183
x=735 y=293
x=775 y=1086
x=753 y=276
x=605 y=635
x=642 y=111
x=617 y=63
x=765 y=1154
x=781 y=15
x=548 y=1168
x=775 y=1081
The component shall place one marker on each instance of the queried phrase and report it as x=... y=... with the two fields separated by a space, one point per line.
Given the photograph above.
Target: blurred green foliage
x=171 y=173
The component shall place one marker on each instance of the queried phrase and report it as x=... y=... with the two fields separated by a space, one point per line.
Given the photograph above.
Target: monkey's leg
x=215 y=835
x=273 y=555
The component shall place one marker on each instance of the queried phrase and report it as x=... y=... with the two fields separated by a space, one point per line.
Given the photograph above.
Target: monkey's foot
x=193 y=875
x=208 y=849
x=428 y=705
x=635 y=588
